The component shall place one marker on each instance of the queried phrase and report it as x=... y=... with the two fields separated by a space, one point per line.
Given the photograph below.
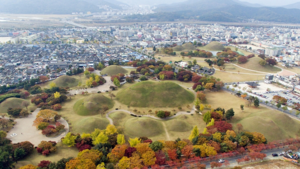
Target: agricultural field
x=274 y=124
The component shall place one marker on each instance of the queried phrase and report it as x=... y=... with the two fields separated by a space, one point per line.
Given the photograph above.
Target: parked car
x=275 y=155
x=281 y=154
x=221 y=161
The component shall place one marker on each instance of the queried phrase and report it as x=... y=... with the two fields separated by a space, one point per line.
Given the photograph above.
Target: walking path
x=25 y=131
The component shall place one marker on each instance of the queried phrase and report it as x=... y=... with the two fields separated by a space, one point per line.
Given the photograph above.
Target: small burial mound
x=66 y=81
x=113 y=70
x=214 y=46
x=155 y=94
x=139 y=127
x=88 y=124
x=94 y=104
x=11 y=103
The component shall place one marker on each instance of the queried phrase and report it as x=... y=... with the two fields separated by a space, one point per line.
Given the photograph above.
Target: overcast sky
x=261 y=2
x=272 y=2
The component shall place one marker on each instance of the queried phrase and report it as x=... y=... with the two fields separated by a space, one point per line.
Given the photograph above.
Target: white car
x=221 y=161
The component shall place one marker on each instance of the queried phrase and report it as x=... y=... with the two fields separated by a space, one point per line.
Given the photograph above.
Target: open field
x=155 y=94
x=253 y=64
x=113 y=70
x=61 y=152
x=274 y=124
x=274 y=164
x=93 y=105
x=78 y=123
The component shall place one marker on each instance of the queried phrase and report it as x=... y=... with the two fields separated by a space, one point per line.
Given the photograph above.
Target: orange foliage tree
x=77 y=163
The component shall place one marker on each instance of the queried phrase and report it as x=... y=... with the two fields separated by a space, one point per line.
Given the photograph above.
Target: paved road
x=25 y=131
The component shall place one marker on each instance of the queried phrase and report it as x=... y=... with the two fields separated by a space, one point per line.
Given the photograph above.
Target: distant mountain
x=112 y=3
x=195 y=5
x=293 y=6
x=233 y=13
x=46 y=6
x=243 y=3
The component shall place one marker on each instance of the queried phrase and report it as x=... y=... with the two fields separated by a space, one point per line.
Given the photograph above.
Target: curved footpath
x=25 y=131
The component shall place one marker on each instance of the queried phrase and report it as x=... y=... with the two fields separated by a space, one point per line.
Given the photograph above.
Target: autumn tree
x=101 y=138
x=194 y=133
x=56 y=95
x=110 y=129
x=29 y=166
x=121 y=139
x=52 y=85
x=77 y=163
x=92 y=154
x=134 y=141
x=43 y=78
x=124 y=163
x=149 y=158
x=116 y=82
x=209 y=86
x=201 y=96
x=25 y=104
x=207 y=117
x=69 y=140
x=223 y=126
x=239 y=127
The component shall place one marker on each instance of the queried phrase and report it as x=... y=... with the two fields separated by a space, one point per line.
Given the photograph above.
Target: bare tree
x=25 y=104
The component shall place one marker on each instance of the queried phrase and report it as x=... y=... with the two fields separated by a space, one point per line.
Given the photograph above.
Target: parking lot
x=266 y=92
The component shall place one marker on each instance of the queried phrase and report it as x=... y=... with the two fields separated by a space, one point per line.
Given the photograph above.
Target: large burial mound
x=11 y=103
x=66 y=81
x=155 y=94
x=95 y=104
x=88 y=124
x=185 y=47
x=214 y=46
x=113 y=70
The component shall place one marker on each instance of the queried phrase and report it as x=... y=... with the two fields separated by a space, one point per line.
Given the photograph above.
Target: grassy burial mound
x=11 y=103
x=113 y=70
x=214 y=46
x=185 y=47
x=66 y=81
x=94 y=104
x=178 y=125
x=274 y=125
x=155 y=94
x=253 y=64
x=139 y=127
x=88 y=124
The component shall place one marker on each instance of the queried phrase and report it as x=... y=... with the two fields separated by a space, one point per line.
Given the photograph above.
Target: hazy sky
x=272 y=2
x=262 y=2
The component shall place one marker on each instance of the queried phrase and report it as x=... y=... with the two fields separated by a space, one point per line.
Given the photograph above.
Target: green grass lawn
x=67 y=81
x=93 y=105
x=274 y=124
x=155 y=94
x=61 y=152
x=113 y=70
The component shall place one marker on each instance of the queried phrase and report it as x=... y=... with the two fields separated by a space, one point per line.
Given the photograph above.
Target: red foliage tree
x=113 y=77
x=39 y=150
x=46 y=152
x=43 y=78
x=147 y=141
x=90 y=69
x=271 y=61
x=44 y=164
x=56 y=107
x=223 y=126
x=216 y=116
x=160 y=158
x=196 y=78
x=242 y=59
x=172 y=154
x=129 y=151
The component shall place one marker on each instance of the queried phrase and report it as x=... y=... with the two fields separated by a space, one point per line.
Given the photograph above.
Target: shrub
x=56 y=107
x=42 y=125
x=242 y=59
x=6 y=96
x=143 y=78
x=44 y=163
x=163 y=114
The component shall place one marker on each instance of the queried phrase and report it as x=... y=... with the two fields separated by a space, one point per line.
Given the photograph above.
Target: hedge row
x=6 y=96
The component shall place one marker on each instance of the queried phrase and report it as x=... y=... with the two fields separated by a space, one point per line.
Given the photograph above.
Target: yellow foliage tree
x=56 y=95
x=88 y=83
x=48 y=115
x=205 y=131
x=101 y=138
x=121 y=139
x=92 y=154
x=97 y=78
x=124 y=163
x=135 y=161
x=79 y=163
x=170 y=145
x=52 y=84
x=209 y=86
x=149 y=158
x=134 y=141
x=142 y=148
x=217 y=136
x=110 y=129
x=101 y=166
x=181 y=144
x=29 y=166
x=258 y=138
x=194 y=133
x=85 y=135
x=211 y=123
x=202 y=107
